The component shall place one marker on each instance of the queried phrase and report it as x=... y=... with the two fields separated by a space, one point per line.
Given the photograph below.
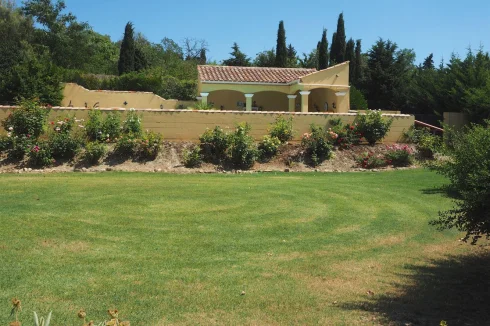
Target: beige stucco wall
x=455 y=120
x=178 y=125
x=77 y=96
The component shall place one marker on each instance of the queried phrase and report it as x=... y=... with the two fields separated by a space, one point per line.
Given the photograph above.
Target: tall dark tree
x=358 y=67
x=333 y=49
x=339 y=54
x=292 y=57
x=281 y=49
x=126 y=62
x=140 y=61
x=238 y=58
x=350 y=56
x=323 y=51
x=428 y=62
x=202 y=57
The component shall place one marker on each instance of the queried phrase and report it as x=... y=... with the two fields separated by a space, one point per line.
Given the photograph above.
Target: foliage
x=358 y=67
x=357 y=100
x=268 y=147
x=111 y=127
x=132 y=124
x=370 y=160
x=323 y=51
x=338 y=45
x=281 y=49
x=20 y=147
x=398 y=155
x=372 y=126
x=94 y=151
x=265 y=58
x=238 y=58
x=40 y=154
x=468 y=170
x=343 y=136
x=427 y=144
x=126 y=145
x=214 y=144
x=42 y=321
x=203 y=106
x=242 y=151
x=350 y=56
x=192 y=157
x=316 y=145
x=93 y=127
x=6 y=143
x=64 y=145
x=150 y=145
x=126 y=62
x=282 y=129
x=28 y=120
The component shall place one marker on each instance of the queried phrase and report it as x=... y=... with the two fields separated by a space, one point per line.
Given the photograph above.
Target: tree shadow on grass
x=455 y=289
x=445 y=190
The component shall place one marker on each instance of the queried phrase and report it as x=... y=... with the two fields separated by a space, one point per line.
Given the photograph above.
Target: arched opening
x=322 y=100
x=270 y=101
x=227 y=100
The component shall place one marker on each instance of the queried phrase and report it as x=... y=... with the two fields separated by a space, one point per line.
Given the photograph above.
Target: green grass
x=180 y=249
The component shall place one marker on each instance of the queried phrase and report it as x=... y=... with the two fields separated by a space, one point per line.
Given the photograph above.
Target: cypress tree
x=202 y=57
x=323 y=52
x=429 y=62
x=281 y=49
x=358 y=67
x=127 y=53
x=333 y=49
x=340 y=40
x=350 y=56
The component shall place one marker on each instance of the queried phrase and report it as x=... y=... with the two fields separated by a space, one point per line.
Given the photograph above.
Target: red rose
x=351 y=127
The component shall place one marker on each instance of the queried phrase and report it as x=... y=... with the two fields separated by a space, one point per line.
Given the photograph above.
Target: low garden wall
x=188 y=125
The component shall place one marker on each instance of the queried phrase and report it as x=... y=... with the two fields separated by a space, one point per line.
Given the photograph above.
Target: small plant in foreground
x=316 y=144
x=282 y=129
x=399 y=155
x=16 y=308
x=268 y=147
x=242 y=151
x=214 y=143
x=192 y=157
x=40 y=155
x=150 y=145
x=371 y=161
x=372 y=126
x=42 y=321
x=94 y=151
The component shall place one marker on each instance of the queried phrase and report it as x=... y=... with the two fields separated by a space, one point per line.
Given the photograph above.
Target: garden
x=33 y=142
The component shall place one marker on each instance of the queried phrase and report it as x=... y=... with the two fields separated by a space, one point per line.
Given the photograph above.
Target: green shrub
x=64 y=145
x=93 y=126
x=192 y=157
x=357 y=100
x=20 y=147
x=126 y=146
x=40 y=155
x=268 y=147
x=214 y=144
x=282 y=129
x=150 y=145
x=398 y=155
x=242 y=151
x=428 y=144
x=316 y=145
x=6 y=143
x=468 y=170
x=28 y=120
x=343 y=136
x=132 y=124
x=94 y=151
x=111 y=127
x=202 y=106
x=371 y=161
x=372 y=126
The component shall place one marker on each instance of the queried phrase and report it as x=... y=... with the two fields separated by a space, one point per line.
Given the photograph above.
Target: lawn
x=249 y=249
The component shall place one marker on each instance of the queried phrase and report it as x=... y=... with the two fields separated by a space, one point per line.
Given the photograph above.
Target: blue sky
x=426 y=26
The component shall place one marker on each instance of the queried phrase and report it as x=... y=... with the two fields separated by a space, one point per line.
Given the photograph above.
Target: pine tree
x=292 y=57
x=323 y=52
x=428 y=62
x=127 y=53
x=140 y=61
x=340 y=40
x=333 y=49
x=238 y=58
x=358 y=67
x=350 y=56
x=202 y=57
x=281 y=49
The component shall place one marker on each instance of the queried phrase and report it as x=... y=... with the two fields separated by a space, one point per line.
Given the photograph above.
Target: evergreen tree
x=323 y=52
x=428 y=62
x=281 y=49
x=358 y=66
x=126 y=62
x=292 y=57
x=340 y=41
x=140 y=61
x=351 y=57
x=265 y=58
x=333 y=49
x=238 y=58
x=202 y=57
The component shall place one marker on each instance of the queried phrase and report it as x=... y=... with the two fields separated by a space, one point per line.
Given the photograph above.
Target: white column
x=204 y=98
x=304 y=101
x=248 y=99
x=292 y=102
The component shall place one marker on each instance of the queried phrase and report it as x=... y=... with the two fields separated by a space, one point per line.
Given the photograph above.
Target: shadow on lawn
x=455 y=289
x=445 y=190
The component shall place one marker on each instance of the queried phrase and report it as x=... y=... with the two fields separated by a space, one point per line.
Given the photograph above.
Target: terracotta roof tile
x=251 y=74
